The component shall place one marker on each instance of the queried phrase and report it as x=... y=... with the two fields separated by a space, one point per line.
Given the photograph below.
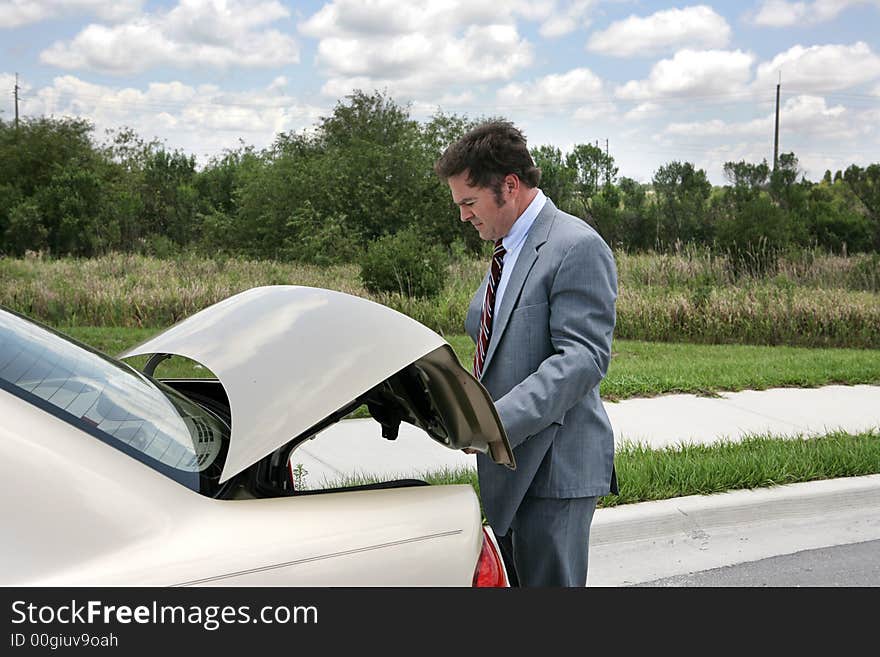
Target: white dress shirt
x=514 y=240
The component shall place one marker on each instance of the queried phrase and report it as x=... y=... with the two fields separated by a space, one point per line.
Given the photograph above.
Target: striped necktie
x=488 y=309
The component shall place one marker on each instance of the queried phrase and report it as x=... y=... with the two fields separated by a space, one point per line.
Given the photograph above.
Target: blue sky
x=660 y=81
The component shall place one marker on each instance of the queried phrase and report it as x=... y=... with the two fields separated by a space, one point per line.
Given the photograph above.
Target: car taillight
x=490 y=569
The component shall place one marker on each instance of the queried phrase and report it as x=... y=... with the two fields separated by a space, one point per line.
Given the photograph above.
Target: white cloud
x=415 y=48
x=576 y=85
x=423 y=110
x=805 y=116
x=782 y=13
x=567 y=19
x=820 y=68
x=810 y=115
x=590 y=113
x=202 y=120
x=643 y=111
x=349 y=18
x=870 y=119
x=418 y=64
x=278 y=83
x=15 y=13
x=578 y=93
x=705 y=155
x=214 y=33
x=821 y=136
x=720 y=128
x=663 y=31
x=692 y=73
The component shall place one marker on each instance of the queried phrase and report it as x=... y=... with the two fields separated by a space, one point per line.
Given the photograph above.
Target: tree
x=169 y=198
x=754 y=222
x=865 y=186
x=31 y=153
x=636 y=228
x=748 y=179
x=833 y=221
x=372 y=150
x=791 y=195
x=272 y=189
x=443 y=129
x=593 y=169
x=605 y=212
x=32 y=156
x=681 y=193
x=557 y=177
x=219 y=180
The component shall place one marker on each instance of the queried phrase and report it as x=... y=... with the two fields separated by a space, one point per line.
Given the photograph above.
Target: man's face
x=480 y=206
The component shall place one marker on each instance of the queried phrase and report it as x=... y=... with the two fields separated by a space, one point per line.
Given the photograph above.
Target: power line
x=701 y=100
x=836 y=94
x=257 y=106
x=102 y=99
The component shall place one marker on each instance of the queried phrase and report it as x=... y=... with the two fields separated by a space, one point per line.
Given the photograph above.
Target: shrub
x=318 y=239
x=405 y=262
x=26 y=230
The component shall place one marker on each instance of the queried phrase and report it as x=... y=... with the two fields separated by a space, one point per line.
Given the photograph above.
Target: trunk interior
x=389 y=403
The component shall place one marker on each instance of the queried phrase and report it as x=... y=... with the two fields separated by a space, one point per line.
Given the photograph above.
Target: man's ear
x=511 y=183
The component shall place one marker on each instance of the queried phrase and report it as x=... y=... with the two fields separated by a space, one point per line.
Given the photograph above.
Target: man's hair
x=488 y=153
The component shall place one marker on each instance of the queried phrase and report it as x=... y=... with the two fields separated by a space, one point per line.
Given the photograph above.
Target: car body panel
x=290 y=356
x=83 y=507
x=72 y=525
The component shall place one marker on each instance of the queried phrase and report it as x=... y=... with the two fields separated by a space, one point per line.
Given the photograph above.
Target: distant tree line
x=365 y=172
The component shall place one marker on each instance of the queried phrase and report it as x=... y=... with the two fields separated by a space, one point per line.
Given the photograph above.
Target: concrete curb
x=654 y=520
x=636 y=543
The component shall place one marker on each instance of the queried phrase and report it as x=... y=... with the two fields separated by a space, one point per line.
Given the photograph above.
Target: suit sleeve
x=582 y=316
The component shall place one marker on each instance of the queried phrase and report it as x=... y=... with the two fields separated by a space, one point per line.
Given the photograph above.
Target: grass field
x=807 y=300
x=638 y=369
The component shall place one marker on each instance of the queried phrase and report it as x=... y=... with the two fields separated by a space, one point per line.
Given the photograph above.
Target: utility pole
x=16 y=101
x=607 y=167
x=776 y=136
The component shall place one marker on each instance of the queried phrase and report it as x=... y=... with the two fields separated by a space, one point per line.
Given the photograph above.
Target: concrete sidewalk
x=636 y=543
x=354 y=447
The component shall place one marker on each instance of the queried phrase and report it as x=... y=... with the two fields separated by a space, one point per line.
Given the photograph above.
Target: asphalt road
x=857 y=564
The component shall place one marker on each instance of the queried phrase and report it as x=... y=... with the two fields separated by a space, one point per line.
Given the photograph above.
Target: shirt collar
x=524 y=222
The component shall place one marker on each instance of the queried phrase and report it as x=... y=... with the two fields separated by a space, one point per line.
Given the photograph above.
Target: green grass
x=755 y=462
x=810 y=299
x=112 y=340
x=646 y=474
x=638 y=369
x=641 y=369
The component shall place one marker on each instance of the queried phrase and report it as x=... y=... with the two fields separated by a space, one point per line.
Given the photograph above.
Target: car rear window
x=112 y=402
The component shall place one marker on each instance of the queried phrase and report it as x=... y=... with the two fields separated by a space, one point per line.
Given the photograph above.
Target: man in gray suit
x=542 y=320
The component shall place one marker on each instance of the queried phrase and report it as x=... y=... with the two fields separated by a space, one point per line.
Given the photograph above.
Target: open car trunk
x=291 y=361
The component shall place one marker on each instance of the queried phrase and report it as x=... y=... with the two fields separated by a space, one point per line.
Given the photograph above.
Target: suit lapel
x=528 y=255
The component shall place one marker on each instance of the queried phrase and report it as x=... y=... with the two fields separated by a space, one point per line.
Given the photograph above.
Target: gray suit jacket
x=550 y=348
